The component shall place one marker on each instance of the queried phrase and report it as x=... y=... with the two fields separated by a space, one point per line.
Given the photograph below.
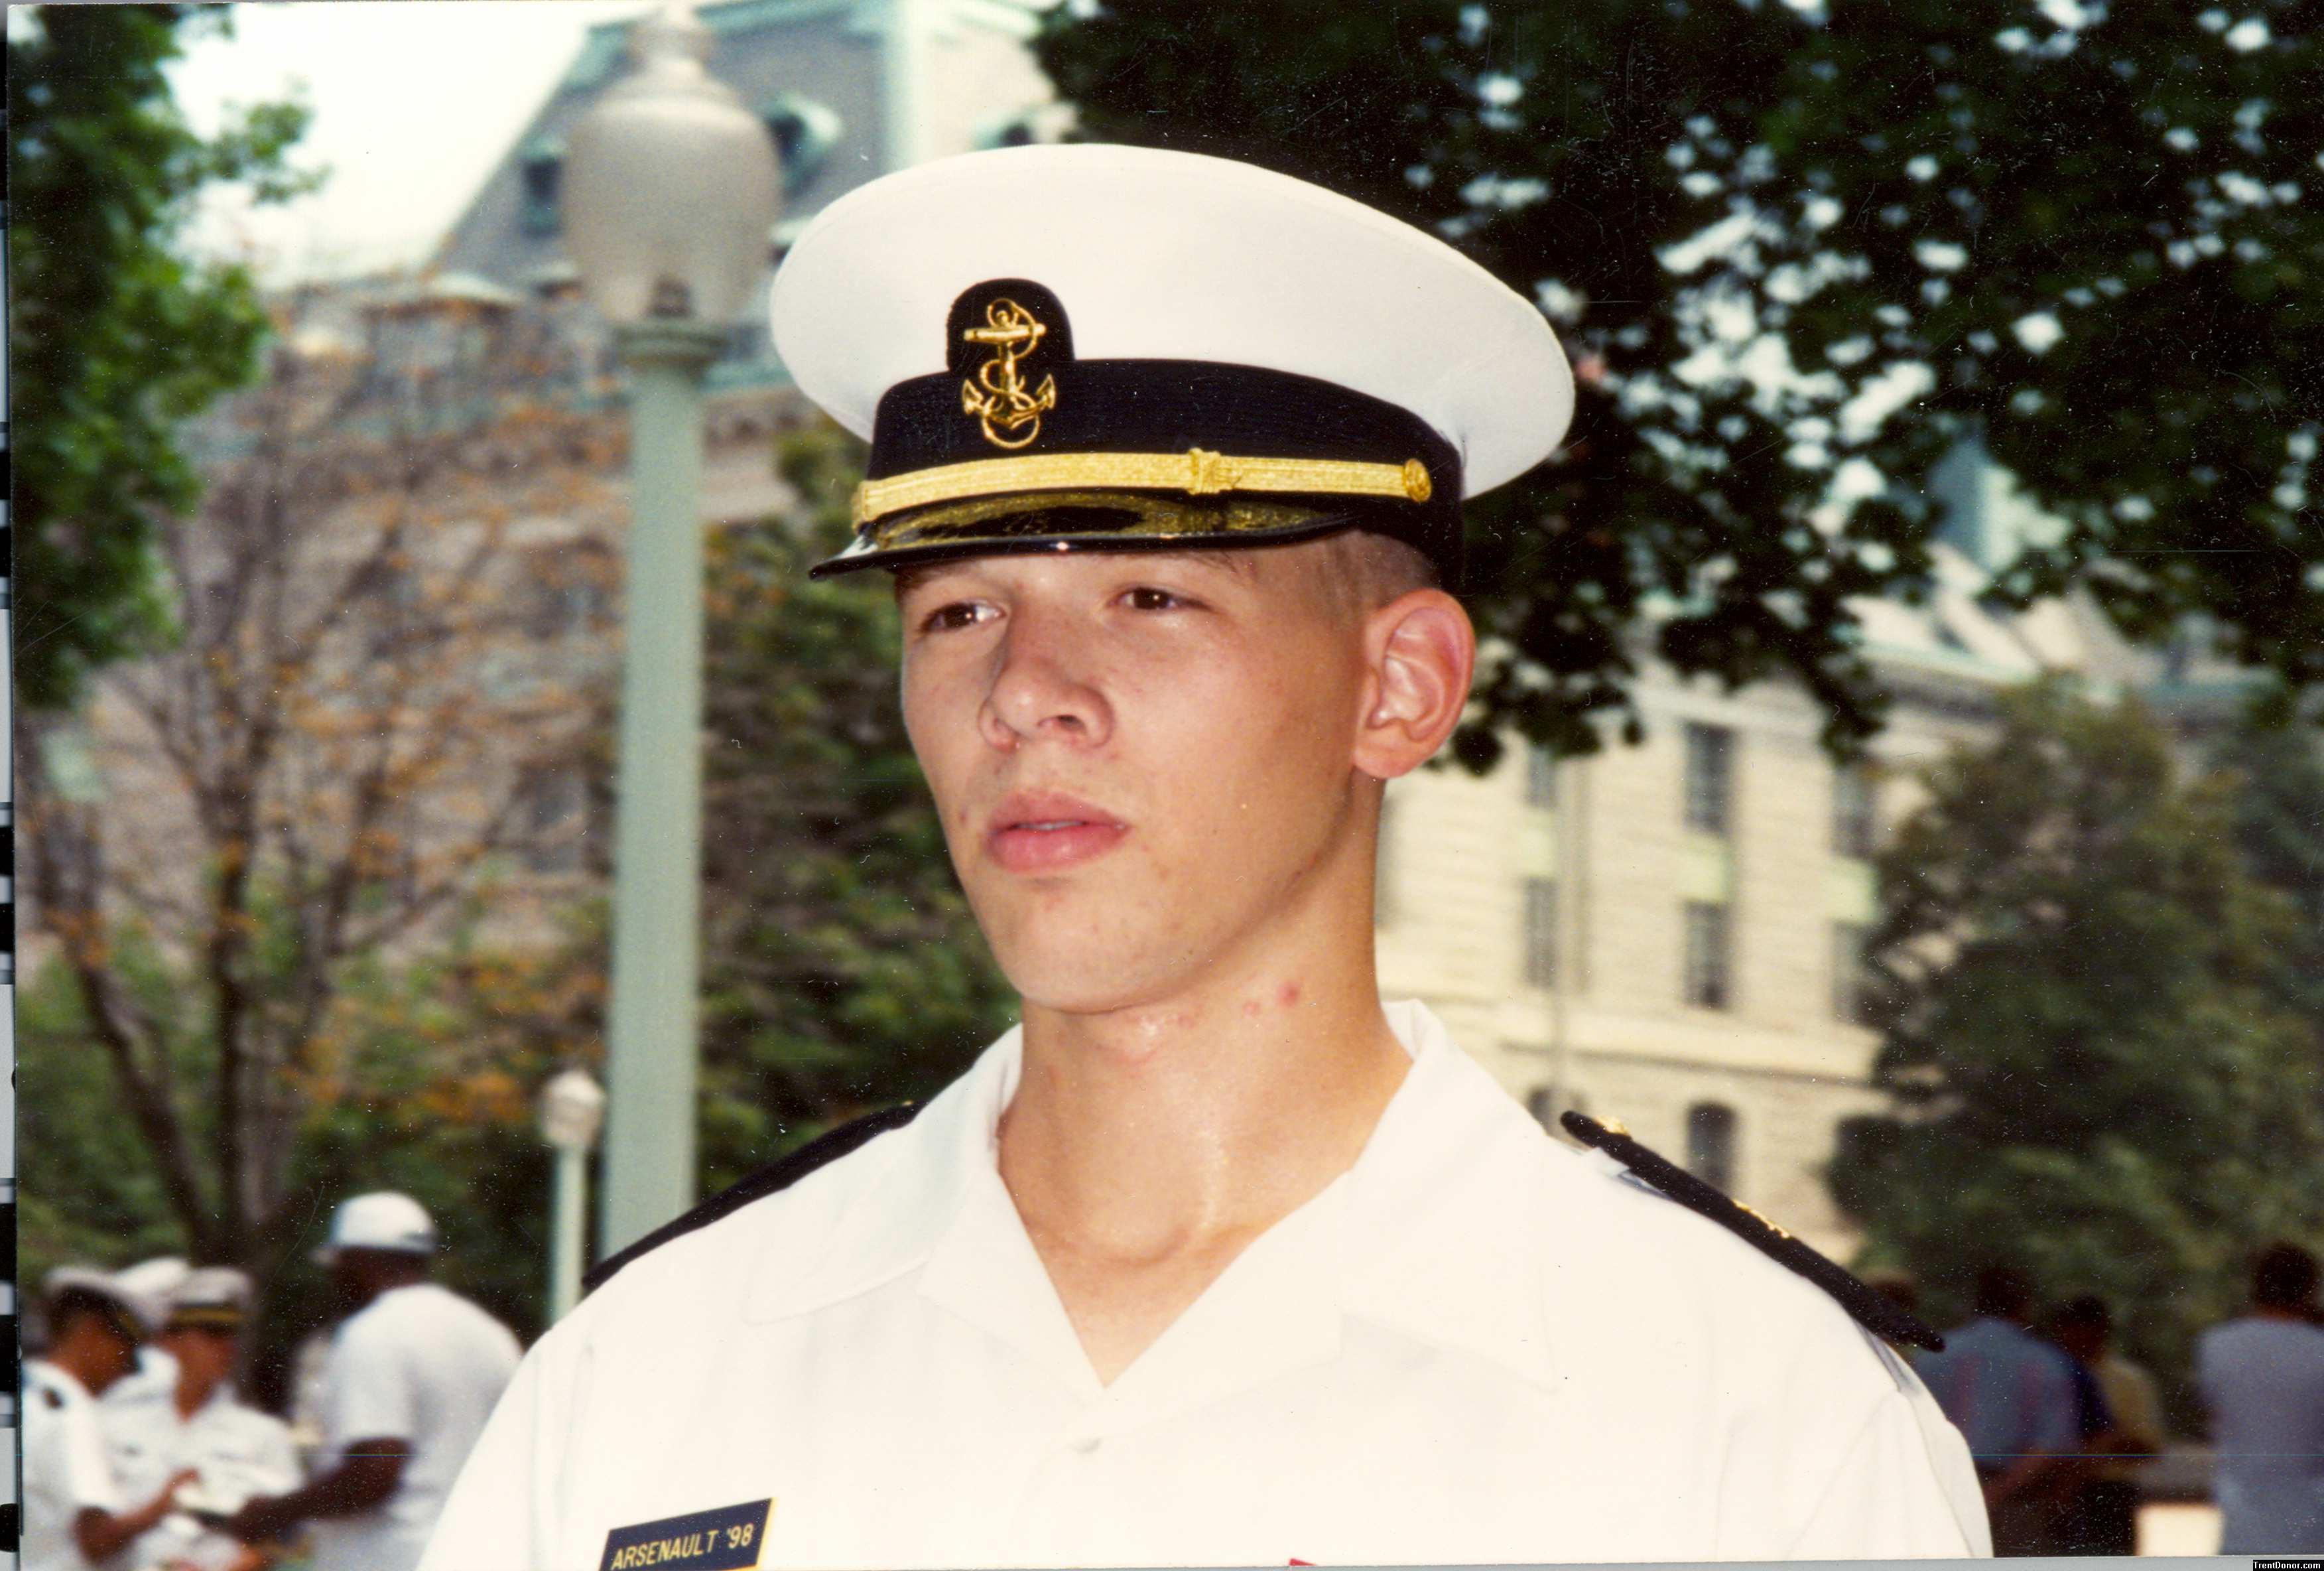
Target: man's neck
x=1146 y=1147
x=1216 y=1111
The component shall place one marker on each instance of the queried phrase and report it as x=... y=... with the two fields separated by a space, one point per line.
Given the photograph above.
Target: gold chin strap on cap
x=1197 y=472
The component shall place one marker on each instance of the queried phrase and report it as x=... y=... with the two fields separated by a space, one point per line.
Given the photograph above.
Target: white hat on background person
x=157 y=1279
x=140 y=1309
x=156 y=1374
x=215 y=1298
x=382 y=1220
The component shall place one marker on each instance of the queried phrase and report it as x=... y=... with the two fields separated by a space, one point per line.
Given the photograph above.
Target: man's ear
x=1420 y=652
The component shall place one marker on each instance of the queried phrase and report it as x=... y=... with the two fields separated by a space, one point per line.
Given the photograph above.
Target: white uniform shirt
x=64 y=1468
x=1476 y=1345
x=156 y=1375
x=420 y=1364
x=240 y=1452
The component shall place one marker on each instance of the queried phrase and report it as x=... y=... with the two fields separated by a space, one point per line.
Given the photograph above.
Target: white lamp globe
x=572 y=1107
x=671 y=187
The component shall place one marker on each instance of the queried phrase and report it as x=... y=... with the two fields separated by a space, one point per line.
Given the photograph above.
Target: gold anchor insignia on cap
x=998 y=394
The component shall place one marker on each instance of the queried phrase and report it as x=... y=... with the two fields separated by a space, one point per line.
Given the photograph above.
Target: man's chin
x=1082 y=979
x=1078 y=997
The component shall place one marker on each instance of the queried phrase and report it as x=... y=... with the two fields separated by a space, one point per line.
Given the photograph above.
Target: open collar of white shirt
x=1428 y=1234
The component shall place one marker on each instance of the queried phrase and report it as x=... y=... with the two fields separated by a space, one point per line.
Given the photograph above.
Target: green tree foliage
x=842 y=969
x=1798 y=252
x=114 y=335
x=2100 y=1066
x=87 y=1187
x=2279 y=830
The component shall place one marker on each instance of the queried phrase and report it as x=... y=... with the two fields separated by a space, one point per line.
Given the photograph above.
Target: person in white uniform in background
x=156 y=1374
x=1216 y=1260
x=411 y=1376
x=236 y=1451
x=75 y=1513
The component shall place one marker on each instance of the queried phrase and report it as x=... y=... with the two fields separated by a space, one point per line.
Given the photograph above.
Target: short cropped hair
x=1369 y=569
x=2003 y=1291
x=2283 y=1277
x=2088 y=1311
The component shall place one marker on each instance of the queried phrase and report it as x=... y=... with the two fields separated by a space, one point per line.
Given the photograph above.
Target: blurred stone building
x=1671 y=934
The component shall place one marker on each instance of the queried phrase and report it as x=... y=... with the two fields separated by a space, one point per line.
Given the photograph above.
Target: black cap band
x=1015 y=413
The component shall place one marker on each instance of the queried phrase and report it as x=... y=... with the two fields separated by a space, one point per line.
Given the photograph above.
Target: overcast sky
x=414 y=102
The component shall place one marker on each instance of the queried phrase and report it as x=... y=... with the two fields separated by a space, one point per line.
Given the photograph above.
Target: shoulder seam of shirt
x=773 y=1178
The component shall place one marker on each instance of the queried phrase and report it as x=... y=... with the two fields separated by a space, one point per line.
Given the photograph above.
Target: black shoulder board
x=1881 y=1316
x=779 y=1174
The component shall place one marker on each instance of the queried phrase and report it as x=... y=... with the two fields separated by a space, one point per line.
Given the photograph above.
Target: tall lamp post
x=572 y=1106
x=670 y=192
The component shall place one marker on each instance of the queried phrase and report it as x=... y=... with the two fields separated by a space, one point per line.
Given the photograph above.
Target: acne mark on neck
x=1287 y=994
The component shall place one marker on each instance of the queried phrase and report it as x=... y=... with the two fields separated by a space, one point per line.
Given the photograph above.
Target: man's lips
x=1045 y=831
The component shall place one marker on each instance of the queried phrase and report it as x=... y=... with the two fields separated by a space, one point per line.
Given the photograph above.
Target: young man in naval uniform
x=1216 y=1258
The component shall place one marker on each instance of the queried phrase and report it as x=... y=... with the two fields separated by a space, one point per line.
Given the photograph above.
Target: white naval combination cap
x=139 y=1309
x=1023 y=332
x=156 y=1278
x=382 y=1219
x=215 y=1298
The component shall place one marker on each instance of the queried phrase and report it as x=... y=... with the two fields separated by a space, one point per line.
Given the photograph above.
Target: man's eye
x=959 y=614
x=1147 y=599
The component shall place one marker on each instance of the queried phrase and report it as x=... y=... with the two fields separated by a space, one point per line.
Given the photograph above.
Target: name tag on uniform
x=725 y=1539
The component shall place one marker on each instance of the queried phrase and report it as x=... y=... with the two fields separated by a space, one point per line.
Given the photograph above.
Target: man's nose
x=1042 y=686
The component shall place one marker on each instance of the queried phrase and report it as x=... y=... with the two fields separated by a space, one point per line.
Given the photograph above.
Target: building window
x=1541 y=932
x=1711 y=1144
x=1855 y=802
x=1852 y=982
x=1706 y=982
x=1710 y=777
x=805 y=133
x=1541 y=777
x=541 y=170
